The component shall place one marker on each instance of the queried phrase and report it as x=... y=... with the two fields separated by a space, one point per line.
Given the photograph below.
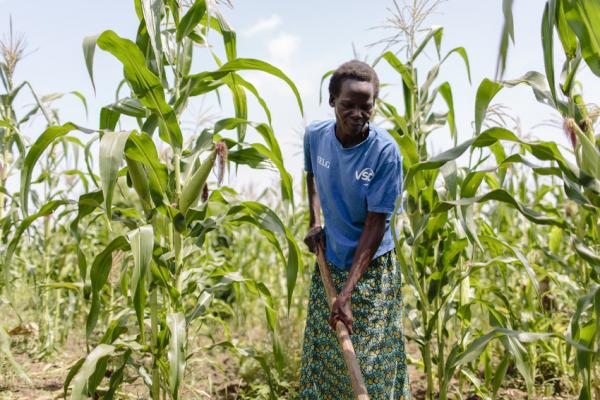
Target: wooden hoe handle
x=358 y=383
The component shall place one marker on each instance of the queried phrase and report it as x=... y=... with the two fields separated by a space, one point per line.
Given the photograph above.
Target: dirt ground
x=214 y=377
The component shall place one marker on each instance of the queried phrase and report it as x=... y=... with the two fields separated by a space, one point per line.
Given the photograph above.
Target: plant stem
x=155 y=389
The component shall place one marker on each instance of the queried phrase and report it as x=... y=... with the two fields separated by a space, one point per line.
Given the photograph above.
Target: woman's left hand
x=341 y=310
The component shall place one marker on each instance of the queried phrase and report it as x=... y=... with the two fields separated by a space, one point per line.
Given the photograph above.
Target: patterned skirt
x=377 y=337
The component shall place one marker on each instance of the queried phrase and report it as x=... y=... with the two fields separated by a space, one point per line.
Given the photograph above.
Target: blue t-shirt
x=351 y=181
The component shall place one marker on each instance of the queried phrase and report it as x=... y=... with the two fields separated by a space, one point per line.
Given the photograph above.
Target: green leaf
x=583 y=17
x=401 y=69
x=485 y=93
x=112 y=145
x=590 y=157
x=191 y=19
x=325 y=76
x=146 y=86
x=272 y=151
x=152 y=10
x=45 y=210
x=436 y=32
x=548 y=44
x=463 y=54
x=508 y=34
x=566 y=35
x=241 y=64
x=93 y=362
x=177 y=349
x=446 y=92
x=89 y=48
x=142 y=245
x=504 y=197
x=270 y=225
x=99 y=276
x=34 y=153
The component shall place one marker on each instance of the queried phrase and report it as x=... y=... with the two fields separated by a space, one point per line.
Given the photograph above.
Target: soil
x=215 y=375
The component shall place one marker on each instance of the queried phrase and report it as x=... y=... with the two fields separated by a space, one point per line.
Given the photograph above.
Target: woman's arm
x=368 y=243
x=315 y=231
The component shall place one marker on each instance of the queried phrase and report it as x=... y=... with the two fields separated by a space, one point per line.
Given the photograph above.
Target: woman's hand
x=315 y=236
x=341 y=310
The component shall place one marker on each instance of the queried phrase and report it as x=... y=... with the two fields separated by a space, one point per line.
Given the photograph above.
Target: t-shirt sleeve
x=385 y=187
x=307 y=159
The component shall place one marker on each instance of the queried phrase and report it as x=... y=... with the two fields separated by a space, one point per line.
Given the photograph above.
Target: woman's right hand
x=314 y=236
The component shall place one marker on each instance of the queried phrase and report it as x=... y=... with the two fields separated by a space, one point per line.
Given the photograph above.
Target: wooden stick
x=358 y=383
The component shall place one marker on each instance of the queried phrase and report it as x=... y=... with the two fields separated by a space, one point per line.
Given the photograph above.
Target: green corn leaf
x=45 y=210
x=142 y=244
x=34 y=153
x=94 y=361
x=446 y=92
x=152 y=11
x=240 y=103
x=548 y=22
x=112 y=146
x=177 y=349
x=508 y=34
x=500 y=374
x=325 y=76
x=229 y=37
x=401 y=69
x=463 y=54
x=71 y=374
x=583 y=17
x=249 y=87
x=191 y=19
x=250 y=64
x=99 y=276
x=590 y=156
x=272 y=151
x=567 y=37
x=504 y=197
x=89 y=48
x=485 y=93
x=271 y=226
x=145 y=84
x=436 y=32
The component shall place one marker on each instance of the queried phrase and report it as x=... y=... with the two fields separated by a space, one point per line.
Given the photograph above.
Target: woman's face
x=354 y=106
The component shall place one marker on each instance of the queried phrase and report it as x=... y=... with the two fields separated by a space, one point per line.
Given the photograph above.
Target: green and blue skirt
x=377 y=337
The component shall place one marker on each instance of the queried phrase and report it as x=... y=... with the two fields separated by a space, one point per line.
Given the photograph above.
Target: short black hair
x=353 y=69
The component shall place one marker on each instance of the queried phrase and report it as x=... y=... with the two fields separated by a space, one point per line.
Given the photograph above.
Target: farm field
x=157 y=253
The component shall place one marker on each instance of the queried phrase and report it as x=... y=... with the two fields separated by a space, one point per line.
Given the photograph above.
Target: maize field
x=132 y=267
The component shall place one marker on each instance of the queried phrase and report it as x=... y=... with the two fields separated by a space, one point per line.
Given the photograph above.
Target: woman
x=354 y=174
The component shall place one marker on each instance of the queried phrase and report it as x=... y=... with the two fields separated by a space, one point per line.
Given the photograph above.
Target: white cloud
x=283 y=46
x=264 y=24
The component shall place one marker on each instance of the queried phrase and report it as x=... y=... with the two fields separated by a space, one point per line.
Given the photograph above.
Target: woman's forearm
x=368 y=243
x=314 y=204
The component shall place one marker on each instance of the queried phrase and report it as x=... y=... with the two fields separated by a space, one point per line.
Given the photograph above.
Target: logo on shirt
x=366 y=175
x=322 y=162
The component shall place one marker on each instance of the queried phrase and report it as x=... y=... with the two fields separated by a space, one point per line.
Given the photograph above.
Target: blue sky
x=304 y=38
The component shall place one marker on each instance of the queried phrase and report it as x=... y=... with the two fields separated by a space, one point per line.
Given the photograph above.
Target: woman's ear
x=331 y=100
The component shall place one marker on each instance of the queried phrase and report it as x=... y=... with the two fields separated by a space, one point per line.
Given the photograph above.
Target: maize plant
x=48 y=260
x=155 y=275
x=443 y=249
x=576 y=25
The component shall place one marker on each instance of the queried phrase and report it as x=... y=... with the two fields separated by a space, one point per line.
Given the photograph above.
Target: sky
x=304 y=39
